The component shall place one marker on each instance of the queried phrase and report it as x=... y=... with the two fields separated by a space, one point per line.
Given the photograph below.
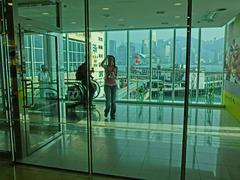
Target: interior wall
x=232 y=68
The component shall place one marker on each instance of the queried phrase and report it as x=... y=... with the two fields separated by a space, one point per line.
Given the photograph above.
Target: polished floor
x=4 y=137
x=19 y=172
x=145 y=142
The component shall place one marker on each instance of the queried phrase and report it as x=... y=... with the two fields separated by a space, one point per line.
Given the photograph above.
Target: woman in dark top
x=110 y=85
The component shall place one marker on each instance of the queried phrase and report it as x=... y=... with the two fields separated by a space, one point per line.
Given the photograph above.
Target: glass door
x=39 y=78
x=4 y=123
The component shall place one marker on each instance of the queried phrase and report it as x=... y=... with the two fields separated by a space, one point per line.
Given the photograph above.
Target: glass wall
x=61 y=127
x=211 y=64
x=39 y=80
x=5 y=145
x=34 y=50
x=151 y=68
x=212 y=132
x=167 y=51
x=98 y=51
x=156 y=57
x=194 y=77
x=117 y=45
x=76 y=53
x=140 y=139
x=168 y=48
x=139 y=60
x=47 y=130
x=162 y=65
x=179 y=68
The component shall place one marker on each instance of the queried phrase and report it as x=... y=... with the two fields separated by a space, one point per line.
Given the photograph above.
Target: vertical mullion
x=67 y=55
x=173 y=64
x=150 y=65
x=31 y=56
x=128 y=67
x=87 y=52
x=198 y=65
x=225 y=41
x=186 y=95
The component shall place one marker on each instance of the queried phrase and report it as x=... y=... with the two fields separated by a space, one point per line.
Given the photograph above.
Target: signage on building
x=94 y=48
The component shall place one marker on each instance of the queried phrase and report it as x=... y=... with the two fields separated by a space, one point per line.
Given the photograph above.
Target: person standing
x=81 y=75
x=44 y=80
x=110 y=85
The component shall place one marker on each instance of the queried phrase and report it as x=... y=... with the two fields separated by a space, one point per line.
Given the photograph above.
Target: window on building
x=139 y=61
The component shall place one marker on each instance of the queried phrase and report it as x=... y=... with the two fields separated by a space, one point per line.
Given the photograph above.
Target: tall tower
x=112 y=47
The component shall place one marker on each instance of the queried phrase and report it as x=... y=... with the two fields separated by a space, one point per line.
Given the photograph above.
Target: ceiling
x=127 y=14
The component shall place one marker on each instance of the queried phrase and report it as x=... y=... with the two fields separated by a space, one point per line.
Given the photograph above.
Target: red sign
x=137 y=61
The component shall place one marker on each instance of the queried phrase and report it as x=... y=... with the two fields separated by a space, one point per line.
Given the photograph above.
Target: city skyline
x=212 y=50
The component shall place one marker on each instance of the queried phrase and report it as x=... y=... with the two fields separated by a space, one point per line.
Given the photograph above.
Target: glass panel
x=97 y=54
x=53 y=132
x=213 y=131
x=41 y=103
x=117 y=45
x=162 y=65
x=194 y=77
x=179 y=67
x=141 y=139
x=73 y=145
x=4 y=124
x=211 y=64
x=38 y=55
x=38 y=41
x=139 y=65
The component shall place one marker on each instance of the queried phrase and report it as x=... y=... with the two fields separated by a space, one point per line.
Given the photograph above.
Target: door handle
x=26 y=105
x=32 y=90
x=28 y=82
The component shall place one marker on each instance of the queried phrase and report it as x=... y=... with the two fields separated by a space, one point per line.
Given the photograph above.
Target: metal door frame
x=25 y=137
x=5 y=72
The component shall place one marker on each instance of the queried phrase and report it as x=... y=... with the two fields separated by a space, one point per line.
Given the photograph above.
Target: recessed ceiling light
x=45 y=13
x=105 y=9
x=10 y=4
x=221 y=9
x=121 y=19
x=164 y=23
x=177 y=16
x=106 y=15
x=73 y=22
x=177 y=4
x=160 y=12
x=188 y=17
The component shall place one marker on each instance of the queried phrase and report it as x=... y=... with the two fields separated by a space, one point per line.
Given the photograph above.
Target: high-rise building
x=132 y=52
x=121 y=54
x=112 y=47
x=145 y=47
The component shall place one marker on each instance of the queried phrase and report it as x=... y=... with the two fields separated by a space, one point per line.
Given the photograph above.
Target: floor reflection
x=4 y=136
x=144 y=141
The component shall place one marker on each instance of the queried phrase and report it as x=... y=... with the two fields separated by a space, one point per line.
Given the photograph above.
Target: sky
x=164 y=34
